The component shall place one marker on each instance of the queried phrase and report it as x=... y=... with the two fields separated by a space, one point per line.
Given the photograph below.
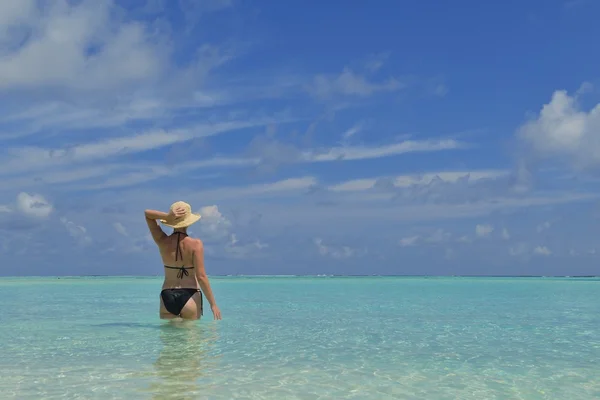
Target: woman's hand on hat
x=176 y=213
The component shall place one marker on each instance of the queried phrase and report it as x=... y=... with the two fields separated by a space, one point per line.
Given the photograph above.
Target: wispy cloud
x=370 y=209
x=349 y=83
x=543 y=226
x=272 y=154
x=376 y=61
x=575 y=3
x=438 y=236
x=408 y=241
x=72 y=116
x=78 y=232
x=352 y=131
x=29 y=158
x=363 y=152
x=120 y=228
x=285 y=187
x=54 y=166
x=542 y=251
x=417 y=179
x=483 y=230
x=337 y=252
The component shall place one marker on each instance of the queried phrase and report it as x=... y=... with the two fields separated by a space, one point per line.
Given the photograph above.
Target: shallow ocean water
x=303 y=338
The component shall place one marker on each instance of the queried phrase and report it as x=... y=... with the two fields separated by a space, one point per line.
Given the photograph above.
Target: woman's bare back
x=177 y=257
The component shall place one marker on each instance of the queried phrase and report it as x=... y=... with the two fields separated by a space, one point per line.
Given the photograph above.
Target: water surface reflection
x=187 y=356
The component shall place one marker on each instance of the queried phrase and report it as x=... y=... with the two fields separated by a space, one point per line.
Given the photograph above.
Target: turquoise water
x=304 y=338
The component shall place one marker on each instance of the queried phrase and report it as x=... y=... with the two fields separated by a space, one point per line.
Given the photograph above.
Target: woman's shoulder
x=195 y=242
x=194 y=246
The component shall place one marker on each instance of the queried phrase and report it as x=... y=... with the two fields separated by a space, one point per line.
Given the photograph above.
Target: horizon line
x=311 y=276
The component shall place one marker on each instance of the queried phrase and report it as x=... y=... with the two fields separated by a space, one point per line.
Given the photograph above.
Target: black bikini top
x=182 y=269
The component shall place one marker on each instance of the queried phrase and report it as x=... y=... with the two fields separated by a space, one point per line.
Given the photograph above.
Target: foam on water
x=304 y=338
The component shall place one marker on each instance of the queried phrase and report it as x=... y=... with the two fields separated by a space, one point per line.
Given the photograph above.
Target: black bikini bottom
x=175 y=299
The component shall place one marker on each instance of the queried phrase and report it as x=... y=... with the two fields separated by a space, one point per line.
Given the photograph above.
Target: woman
x=180 y=295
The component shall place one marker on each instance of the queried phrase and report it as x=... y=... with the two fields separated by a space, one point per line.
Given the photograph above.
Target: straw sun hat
x=182 y=222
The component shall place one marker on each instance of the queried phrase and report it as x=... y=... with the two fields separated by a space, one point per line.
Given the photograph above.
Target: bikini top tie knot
x=182 y=271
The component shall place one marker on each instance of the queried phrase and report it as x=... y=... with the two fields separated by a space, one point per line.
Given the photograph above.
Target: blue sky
x=313 y=137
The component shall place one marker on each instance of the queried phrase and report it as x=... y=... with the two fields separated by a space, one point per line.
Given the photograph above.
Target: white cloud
x=505 y=234
x=563 y=131
x=518 y=249
x=349 y=83
x=80 y=46
x=222 y=242
x=120 y=228
x=352 y=131
x=408 y=241
x=544 y=226
x=419 y=179
x=34 y=205
x=55 y=165
x=363 y=152
x=375 y=61
x=73 y=66
x=366 y=207
x=573 y=252
x=117 y=174
x=438 y=236
x=285 y=187
x=71 y=116
x=78 y=232
x=258 y=244
x=483 y=230
x=270 y=153
x=542 y=250
x=90 y=46
x=213 y=224
x=235 y=249
x=27 y=158
x=337 y=252
x=329 y=208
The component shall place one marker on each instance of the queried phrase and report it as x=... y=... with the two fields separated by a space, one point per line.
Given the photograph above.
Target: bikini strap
x=178 y=250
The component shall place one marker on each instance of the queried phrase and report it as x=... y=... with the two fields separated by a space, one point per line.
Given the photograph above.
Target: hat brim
x=187 y=221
